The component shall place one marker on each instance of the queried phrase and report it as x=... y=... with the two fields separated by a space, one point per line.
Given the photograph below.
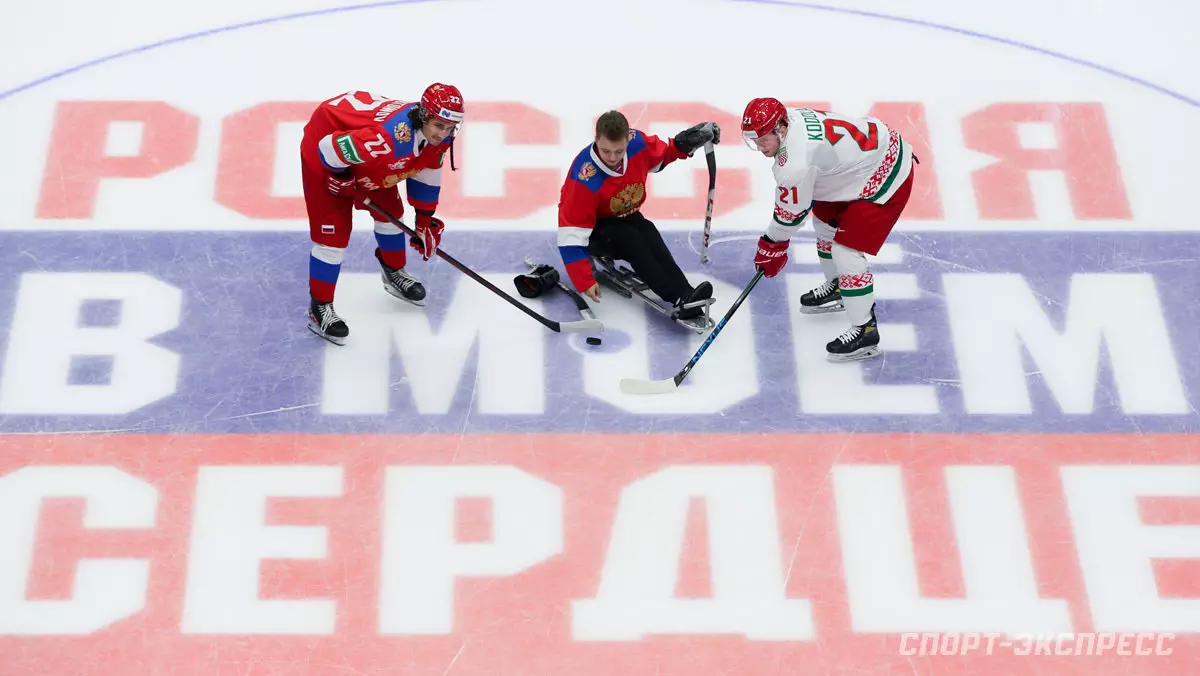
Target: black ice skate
x=400 y=284
x=823 y=299
x=623 y=280
x=325 y=322
x=857 y=343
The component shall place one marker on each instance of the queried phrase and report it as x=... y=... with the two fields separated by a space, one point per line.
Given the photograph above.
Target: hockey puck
x=592 y=340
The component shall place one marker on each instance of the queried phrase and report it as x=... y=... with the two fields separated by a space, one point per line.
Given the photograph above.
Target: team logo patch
x=346 y=149
x=402 y=133
x=394 y=166
x=628 y=200
x=631 y=134
x=781 y=158
x=587 y=171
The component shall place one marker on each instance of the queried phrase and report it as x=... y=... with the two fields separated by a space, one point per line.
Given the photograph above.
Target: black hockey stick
x=711 y=158
x=580 y=326
x=637 y=386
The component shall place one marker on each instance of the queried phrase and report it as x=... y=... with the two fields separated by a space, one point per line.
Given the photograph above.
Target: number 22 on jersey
x=866 y=142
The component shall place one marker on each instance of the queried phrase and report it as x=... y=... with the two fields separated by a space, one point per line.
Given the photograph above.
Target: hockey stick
x=637 y=386
x=711 y=158
x=561 y=327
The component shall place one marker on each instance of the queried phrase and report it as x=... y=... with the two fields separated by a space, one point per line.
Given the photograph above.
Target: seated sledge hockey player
x=855 y=175
x=362 y=145
x=600 y=219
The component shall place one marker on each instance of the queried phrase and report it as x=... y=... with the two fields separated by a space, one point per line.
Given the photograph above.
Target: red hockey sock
x=322 y=278
x=394 y=259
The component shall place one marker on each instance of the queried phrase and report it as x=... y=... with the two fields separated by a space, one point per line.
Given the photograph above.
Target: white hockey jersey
x=829 y=157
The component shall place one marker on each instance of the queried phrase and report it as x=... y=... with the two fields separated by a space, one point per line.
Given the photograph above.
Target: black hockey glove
x=693 y=137
x=536 y=282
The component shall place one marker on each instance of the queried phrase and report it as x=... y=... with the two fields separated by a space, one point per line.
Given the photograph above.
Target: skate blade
x=700 y=326
x=396 y=294
x=822 y=309
x=858 y=355
x=333 y=339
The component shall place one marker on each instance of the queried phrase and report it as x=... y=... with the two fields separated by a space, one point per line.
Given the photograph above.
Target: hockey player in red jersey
x=854 y=175
x=359 y=144
x=599 y=209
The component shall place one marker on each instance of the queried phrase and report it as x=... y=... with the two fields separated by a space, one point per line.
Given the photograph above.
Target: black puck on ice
x=592 y=340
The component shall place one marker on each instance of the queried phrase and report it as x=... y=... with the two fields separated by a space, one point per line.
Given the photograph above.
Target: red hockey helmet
x=442 y=101
x=762 y=117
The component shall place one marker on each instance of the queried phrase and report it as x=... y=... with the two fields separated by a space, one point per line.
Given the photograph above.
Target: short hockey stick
x=711 y=158
x=637 y=386
x=583 y=325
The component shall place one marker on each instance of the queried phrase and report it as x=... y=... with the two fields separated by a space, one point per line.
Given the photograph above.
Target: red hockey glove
x=341 y=183
x=429 y=232
x=771 y=256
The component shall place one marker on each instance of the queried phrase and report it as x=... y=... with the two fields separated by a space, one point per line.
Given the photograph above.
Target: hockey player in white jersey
x=854 y=175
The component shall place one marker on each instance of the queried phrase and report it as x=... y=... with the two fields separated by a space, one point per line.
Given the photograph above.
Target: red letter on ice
x=246 y=169
x=78 y=160
x=1084 y=154
x=908 y=118
x=526 y=190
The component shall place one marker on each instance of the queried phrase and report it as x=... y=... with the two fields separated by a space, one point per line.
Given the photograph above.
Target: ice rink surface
x=192 y=483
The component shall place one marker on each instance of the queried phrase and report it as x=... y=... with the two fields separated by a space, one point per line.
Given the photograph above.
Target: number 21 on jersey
x=787 y=192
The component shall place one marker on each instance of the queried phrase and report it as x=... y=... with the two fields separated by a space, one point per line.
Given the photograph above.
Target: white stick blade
x=636 y=386
x=582 y=326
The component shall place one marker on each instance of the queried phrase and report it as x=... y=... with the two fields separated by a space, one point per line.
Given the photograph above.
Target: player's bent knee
x=822 y=229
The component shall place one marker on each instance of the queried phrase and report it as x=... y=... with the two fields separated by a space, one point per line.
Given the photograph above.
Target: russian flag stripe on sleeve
x=571 y=254
x=422 y=194
x=329 y=155
x=429 y=177
x=573 y=236
x=579 y=270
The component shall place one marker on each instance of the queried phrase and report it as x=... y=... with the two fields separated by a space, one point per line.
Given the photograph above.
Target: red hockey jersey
x=381 y=141
x=593 y=191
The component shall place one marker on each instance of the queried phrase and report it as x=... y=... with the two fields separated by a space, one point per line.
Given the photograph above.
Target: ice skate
x=823 y=299
x=690 y=313
x=400 y=284
x=857 y=343
x=325 y=322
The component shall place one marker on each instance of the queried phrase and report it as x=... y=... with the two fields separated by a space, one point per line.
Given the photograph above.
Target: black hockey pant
x=634 y=239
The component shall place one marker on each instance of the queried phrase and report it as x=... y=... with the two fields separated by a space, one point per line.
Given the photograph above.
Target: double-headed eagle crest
x=628 y=200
